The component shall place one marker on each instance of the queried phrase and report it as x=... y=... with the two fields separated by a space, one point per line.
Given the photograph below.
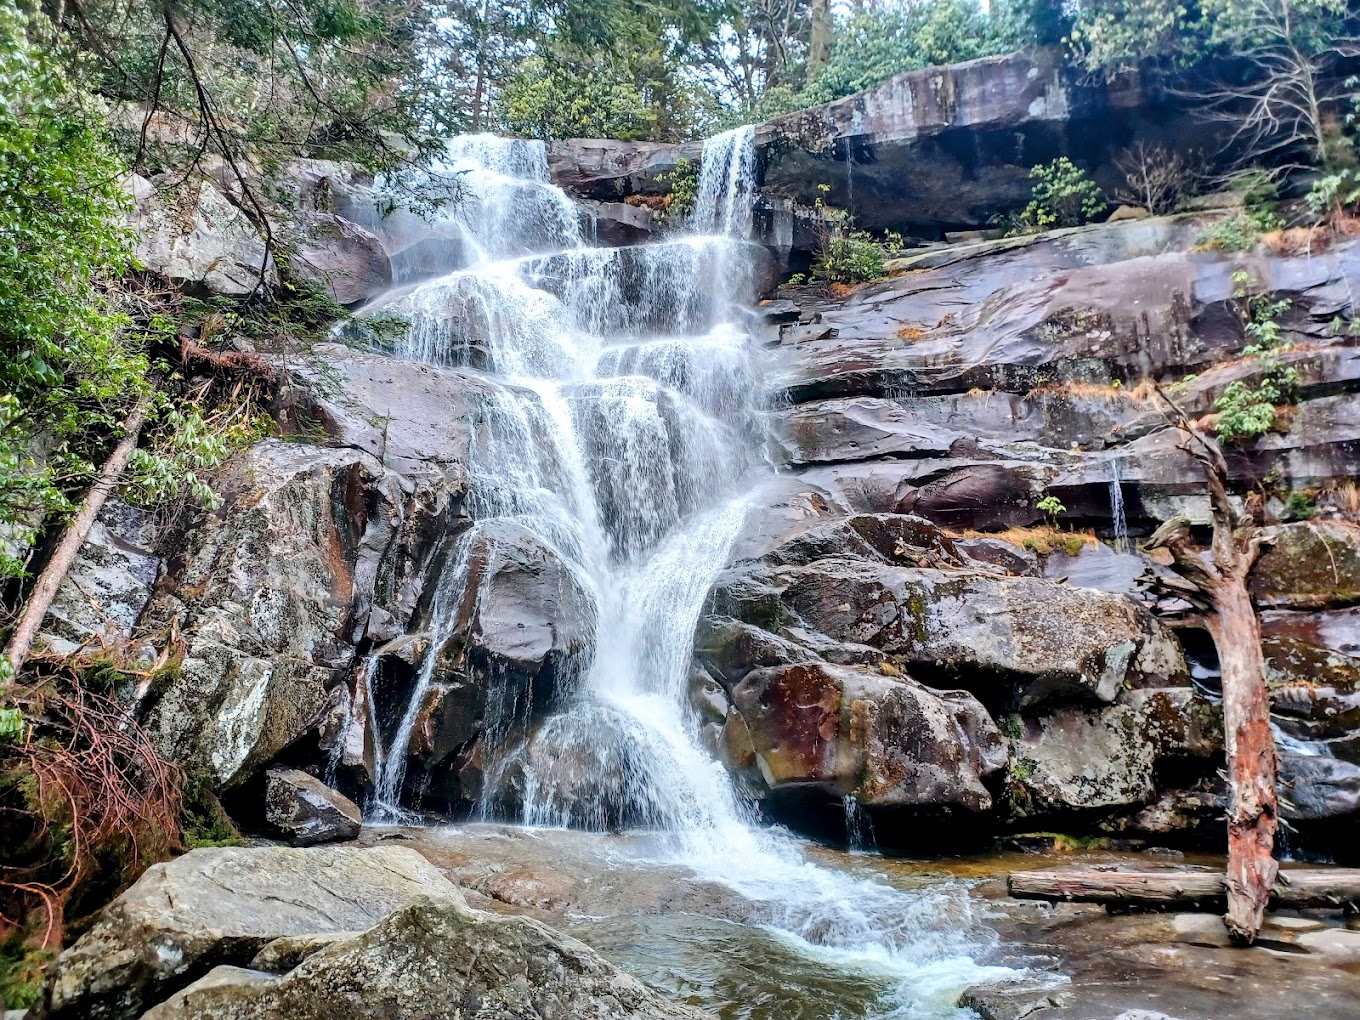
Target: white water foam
x=624 y=435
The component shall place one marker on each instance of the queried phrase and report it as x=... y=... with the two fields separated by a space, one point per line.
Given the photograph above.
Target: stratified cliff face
x=921 y=420
x=941 y=149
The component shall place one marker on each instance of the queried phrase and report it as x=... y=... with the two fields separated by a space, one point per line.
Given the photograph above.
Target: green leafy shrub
x=1300 y=506
x=847 y=255
x=1051 y=507
x=1246 y=412
x=1064 y=196
x=69 y=366
x=851 y=256
x=682 y=184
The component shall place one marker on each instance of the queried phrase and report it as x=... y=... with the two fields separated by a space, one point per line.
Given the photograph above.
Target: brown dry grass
x=1041 y=538
x=1347 y=497
x=912 y=331
x=1143 y=392
x=1295 y=241
x=87 y=800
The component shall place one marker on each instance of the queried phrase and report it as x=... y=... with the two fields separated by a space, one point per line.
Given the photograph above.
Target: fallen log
x=1184 y=889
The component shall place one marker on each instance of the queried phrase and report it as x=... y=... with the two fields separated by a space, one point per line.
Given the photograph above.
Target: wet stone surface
x=701 y=942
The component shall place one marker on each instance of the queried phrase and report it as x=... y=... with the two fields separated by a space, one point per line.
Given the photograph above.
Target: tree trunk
x=40 y=599
x=819 y=37
x=1250 y=744
x=1221 y=582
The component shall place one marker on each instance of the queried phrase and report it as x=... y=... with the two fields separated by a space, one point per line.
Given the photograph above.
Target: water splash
x=859 y=827
x=725 y=195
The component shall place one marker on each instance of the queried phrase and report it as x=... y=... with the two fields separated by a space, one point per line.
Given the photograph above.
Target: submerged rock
x=434 y=959
x=222 y=906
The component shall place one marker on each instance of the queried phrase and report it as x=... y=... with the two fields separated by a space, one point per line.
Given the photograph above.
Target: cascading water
x=1121 y=526
x=725 y=194
x=623 y=435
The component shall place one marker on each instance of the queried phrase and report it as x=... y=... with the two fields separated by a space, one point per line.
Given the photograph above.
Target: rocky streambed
x=483 y=921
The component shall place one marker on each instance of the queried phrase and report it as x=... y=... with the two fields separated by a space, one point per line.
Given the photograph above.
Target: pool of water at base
x=725 y=946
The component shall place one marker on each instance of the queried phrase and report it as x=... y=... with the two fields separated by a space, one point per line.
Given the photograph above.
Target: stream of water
x=624 y=436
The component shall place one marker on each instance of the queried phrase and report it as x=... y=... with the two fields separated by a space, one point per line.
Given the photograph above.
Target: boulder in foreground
x=222 y=906
x=435 y=959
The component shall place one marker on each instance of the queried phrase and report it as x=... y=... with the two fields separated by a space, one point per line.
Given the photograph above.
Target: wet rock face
x=314 y=550
x=102 y=597
x=1316 y=788
x=433 y=958
x=341 y=258
x=926 y=152
x=887 y=741
x=518 y=637
x=222 y=906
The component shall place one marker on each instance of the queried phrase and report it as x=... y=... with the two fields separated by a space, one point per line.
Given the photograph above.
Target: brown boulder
x=886 y=741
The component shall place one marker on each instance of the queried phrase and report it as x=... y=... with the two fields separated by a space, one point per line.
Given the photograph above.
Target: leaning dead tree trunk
x=40 y=599
x=1221 y=582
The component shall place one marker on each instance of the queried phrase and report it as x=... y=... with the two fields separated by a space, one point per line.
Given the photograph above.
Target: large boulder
x=1309 y=565
x=339 y=257
x=435 y=959
x=307 y=811
x=510 y=627
x=264 y=604
x=605 y=169
x=1004 y=637
x=887 y=741
x=1316 y=788
x=199 y=238
x=314 y=549
x=222 y=906
x=1084 y=759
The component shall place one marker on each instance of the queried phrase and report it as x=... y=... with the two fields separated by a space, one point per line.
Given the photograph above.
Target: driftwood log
x=1204 y=890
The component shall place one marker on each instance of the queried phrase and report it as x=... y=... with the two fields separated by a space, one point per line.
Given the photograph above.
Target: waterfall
x=726 y=190
x=623 y=434
x=1121 y=527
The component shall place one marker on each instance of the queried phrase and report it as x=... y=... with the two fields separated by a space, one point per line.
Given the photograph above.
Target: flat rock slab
x=222 y=906
x=435 y=959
